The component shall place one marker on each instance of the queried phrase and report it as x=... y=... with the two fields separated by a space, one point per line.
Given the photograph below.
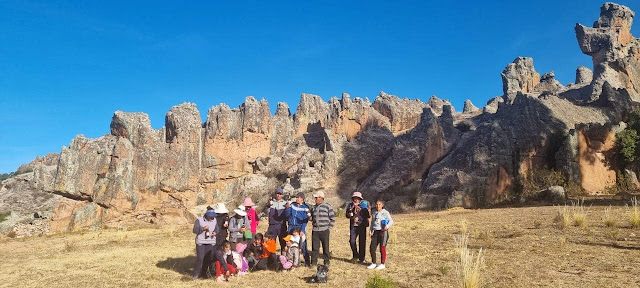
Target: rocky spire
x=519 y=76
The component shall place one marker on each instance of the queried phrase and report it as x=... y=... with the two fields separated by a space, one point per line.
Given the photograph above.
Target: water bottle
x=384 y=223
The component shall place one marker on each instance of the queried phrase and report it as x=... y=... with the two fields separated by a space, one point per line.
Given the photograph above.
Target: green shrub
x=4 y=216
x=539 y=179
x=377 y=281
x=626 y=145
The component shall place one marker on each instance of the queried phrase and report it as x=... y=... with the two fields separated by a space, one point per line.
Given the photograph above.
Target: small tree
x=627 y=147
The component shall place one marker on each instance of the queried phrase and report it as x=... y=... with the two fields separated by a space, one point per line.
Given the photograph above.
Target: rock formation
x=413 y=154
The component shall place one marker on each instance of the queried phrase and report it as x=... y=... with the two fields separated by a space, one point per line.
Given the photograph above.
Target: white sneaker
x=380 y=267
x=373 y=265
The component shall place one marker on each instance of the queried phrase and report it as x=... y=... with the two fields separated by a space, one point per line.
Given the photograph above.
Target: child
x=268 y=259
x=296 y=239
x=381 y=221
x=251 y=214
x=253 y=252
x=223 y=263
x=292 y=254
x=240 y=260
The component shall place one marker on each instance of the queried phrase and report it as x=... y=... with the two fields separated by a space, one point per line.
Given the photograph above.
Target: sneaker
x=380 y=267
x=220 y=279
x=373 y=265
x=361 y=262
x=353 y=260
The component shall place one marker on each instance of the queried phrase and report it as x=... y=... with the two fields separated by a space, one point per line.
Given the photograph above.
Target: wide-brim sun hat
x=357 y=194
x=221 y=208
x=248 y=202
x=287 y=238
x=240 y=211
x=240 y=247
x=319 y=194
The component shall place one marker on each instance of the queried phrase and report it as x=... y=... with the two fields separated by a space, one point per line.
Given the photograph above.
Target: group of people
x=230 y=245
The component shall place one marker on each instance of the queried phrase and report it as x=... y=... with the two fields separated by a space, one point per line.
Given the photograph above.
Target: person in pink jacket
x=251 y=214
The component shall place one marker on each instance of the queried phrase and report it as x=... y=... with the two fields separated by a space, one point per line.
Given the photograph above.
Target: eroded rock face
x=413 y=154
x=519 y=76
x=615 y=52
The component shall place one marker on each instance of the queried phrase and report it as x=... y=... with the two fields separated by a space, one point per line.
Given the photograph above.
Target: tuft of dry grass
x=634 y=213
x=463 y=226
x=70 y=246
x=607 y=218
x=579 y=213
x=469 y=264
x=563 y=218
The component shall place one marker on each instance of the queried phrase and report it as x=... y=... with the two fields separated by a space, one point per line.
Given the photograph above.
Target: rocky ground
x=524 y=247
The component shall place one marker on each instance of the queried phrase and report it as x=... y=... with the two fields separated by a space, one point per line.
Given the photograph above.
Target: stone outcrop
x=584 y=75
x=614 y=51
x=519 y=76
x=411 y=153
x=469 y=107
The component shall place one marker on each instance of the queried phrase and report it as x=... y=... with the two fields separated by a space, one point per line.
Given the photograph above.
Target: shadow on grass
x=182 y=265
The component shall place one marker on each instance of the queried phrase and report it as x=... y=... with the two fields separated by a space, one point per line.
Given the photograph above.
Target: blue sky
x=65 y=67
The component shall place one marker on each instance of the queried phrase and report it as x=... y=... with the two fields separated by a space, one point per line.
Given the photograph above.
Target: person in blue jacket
x=298 y=214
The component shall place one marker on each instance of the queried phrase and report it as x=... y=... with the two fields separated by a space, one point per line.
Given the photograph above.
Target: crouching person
x=269 y=259
x=225 y=265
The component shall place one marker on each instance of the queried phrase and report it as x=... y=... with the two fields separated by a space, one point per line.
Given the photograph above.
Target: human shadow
x=182 y=265
x=610 y=245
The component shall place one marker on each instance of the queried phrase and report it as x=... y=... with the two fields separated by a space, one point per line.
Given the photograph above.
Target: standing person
x=380 y=223
x=222 y=222
x=298 y=214
x=358 y=223
x=238 y=225
x=277 y=217
x=251 y=214
x=204 y=228
x=323 y=218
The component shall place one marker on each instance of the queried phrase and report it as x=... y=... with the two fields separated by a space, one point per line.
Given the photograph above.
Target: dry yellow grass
x=420 y=256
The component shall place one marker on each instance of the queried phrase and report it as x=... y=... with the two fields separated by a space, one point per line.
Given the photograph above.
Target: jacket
x=323 y=217
x=277 y=212
x=252 y=215
x=362 y=214
x=234 y=227
x=297 y=216
x=378 y=217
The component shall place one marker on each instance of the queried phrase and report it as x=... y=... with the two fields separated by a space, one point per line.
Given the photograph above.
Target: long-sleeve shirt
x=253 y=218
x=277 y=212
x=221 y=257
x=323 y=217
x=198 y=229
x=268 y=248
x=234 y=227
x=378 y=216
x=362 y=214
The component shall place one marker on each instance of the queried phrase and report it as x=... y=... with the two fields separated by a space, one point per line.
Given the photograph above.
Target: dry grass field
x=523 y=247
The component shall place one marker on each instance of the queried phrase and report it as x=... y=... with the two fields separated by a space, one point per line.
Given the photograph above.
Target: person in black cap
x=298 y=214
x=277 y=217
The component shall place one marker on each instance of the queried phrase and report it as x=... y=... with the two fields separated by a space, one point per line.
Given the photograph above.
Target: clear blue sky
x=65 y=67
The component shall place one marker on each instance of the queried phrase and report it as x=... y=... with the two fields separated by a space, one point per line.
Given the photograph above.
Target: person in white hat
x=323 y=218
x=358 y=223
x=222 y=221
x=238 y=225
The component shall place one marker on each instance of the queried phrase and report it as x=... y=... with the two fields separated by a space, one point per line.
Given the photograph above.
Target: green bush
x=377 y=281
x=626 y=145
x=4 y=216
x=539 y=179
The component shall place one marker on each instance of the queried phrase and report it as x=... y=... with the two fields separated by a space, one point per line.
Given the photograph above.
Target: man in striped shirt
x=323 y=217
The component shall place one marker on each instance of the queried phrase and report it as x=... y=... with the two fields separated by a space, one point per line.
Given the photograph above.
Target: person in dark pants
x=277 y=218
x=358 y=223
x=381 y=221
x=298 y=214
x=222 y=222
x=323 y=218
x=204 y=228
